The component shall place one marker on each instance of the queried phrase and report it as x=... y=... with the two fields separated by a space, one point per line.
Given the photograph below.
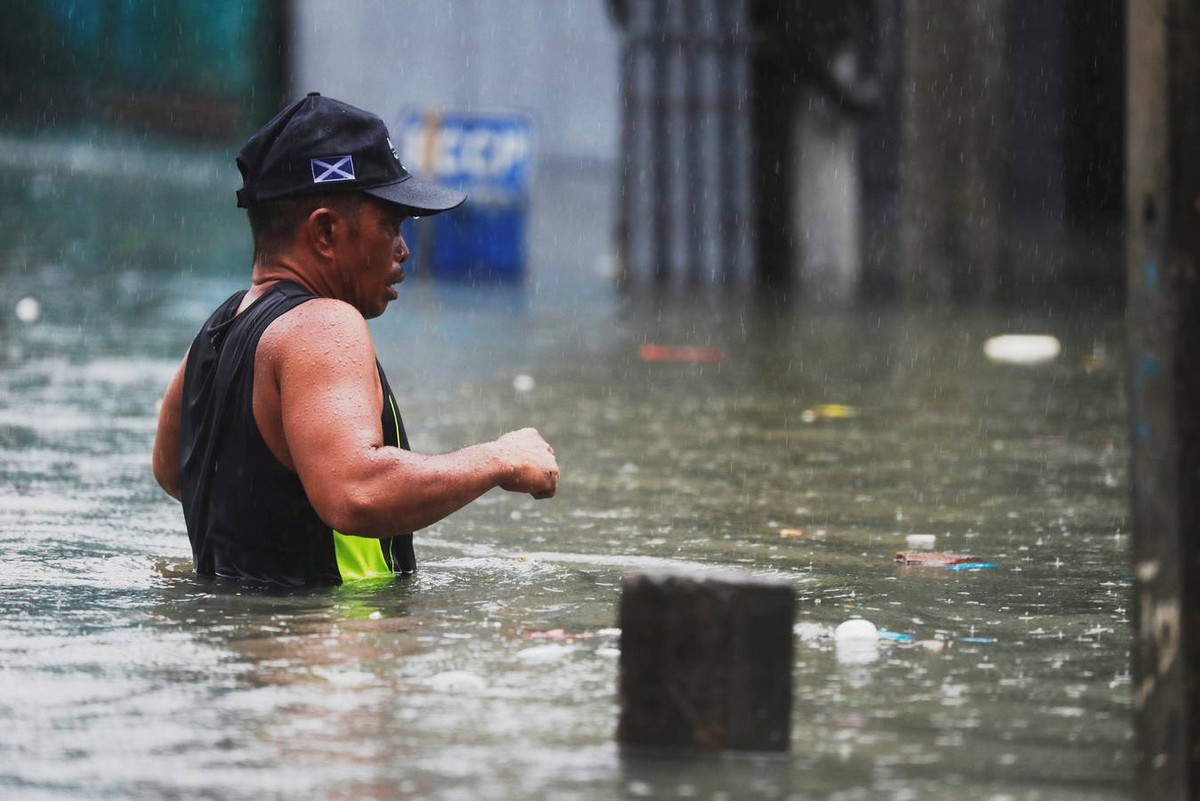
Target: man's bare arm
x=330 y=408
x=166 y=439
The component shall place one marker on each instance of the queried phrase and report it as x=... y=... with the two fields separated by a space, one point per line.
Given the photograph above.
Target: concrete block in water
x=706 y=662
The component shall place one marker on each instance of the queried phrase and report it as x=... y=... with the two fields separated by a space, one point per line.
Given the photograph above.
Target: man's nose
x=400 y=251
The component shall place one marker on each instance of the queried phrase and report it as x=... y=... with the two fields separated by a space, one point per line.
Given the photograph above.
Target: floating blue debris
x=896 y=636
x=977 y=639
x=972 y=566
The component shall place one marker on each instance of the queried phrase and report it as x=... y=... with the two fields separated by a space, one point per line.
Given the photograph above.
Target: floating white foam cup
x=28 y=310
x=1022 y=348
x=856 y=642
x=856 y=629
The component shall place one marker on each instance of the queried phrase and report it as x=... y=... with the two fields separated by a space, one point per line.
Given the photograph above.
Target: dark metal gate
x=686 y=206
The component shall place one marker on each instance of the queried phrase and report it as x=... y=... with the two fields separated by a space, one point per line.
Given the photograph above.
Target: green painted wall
x=207 y=69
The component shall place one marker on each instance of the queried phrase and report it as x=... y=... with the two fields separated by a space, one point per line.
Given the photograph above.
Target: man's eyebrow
x=391 y=217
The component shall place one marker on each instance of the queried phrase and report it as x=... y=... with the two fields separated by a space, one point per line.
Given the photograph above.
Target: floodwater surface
x=805 y=445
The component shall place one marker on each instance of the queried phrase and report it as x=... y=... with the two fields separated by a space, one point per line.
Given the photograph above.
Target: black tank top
x=247 y=515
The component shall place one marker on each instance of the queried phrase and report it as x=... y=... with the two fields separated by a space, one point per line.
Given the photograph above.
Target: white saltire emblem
x=332 y=168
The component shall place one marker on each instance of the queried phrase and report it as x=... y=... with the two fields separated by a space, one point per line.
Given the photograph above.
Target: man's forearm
x=415 y=490
x=400 y=491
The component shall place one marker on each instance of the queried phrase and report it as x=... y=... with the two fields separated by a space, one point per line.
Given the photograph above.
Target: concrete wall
x=556 y=59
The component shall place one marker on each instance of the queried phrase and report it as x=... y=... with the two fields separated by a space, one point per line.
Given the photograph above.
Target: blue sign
x=486 y=155
x=489 y=156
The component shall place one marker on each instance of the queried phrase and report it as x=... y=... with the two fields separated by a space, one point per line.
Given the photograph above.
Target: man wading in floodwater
x=279 y=432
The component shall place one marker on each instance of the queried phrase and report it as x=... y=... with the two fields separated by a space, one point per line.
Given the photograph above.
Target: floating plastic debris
x=896 y=636
x=28 y=310
x=543 y=654
x=980 y=640
x=174 y=568
x=852 y=722
x=523 y=383
x=828 y=411
x=972 y=566
x=680 y=353
x=856 y=629
x=791 y=533
x=934 y=558
x=856 y=642
x=807 y=632
x=560 y=635
x=456 y=681
x=1022 y=348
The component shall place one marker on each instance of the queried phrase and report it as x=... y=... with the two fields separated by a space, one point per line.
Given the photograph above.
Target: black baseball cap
x=319 y=145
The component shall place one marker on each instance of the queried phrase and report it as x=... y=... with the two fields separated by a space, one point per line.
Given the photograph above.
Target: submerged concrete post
x=706 y=662
x=1163 y=262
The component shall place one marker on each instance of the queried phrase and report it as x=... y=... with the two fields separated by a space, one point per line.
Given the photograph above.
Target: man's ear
x=319 y=230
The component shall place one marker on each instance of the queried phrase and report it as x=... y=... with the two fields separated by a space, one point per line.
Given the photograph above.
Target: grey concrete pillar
x=1163 y=263
x=953 y=160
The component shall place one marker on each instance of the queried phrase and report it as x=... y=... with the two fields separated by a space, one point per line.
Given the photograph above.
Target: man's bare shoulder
x=316 y=327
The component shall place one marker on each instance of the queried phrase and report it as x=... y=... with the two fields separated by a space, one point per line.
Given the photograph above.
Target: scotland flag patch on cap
x=332 y=168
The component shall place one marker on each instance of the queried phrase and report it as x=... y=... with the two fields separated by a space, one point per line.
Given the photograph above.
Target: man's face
x=373 y=257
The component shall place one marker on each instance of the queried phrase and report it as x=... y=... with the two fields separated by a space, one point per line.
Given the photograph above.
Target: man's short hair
x=274 y=222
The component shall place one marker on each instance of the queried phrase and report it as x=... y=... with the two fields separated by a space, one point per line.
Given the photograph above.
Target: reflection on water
x=492 y=672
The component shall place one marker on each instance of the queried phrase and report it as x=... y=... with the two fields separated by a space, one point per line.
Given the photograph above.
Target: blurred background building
x=196 y=71
x=941 y=152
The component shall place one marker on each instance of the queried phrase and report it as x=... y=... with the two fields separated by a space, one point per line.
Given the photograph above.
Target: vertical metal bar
x=741 y=146
x=641 y=203
x=660 y=169
x=707 y=144
x=626 y=181
x=693 y=116
x=725 y=137
x=674 y=153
